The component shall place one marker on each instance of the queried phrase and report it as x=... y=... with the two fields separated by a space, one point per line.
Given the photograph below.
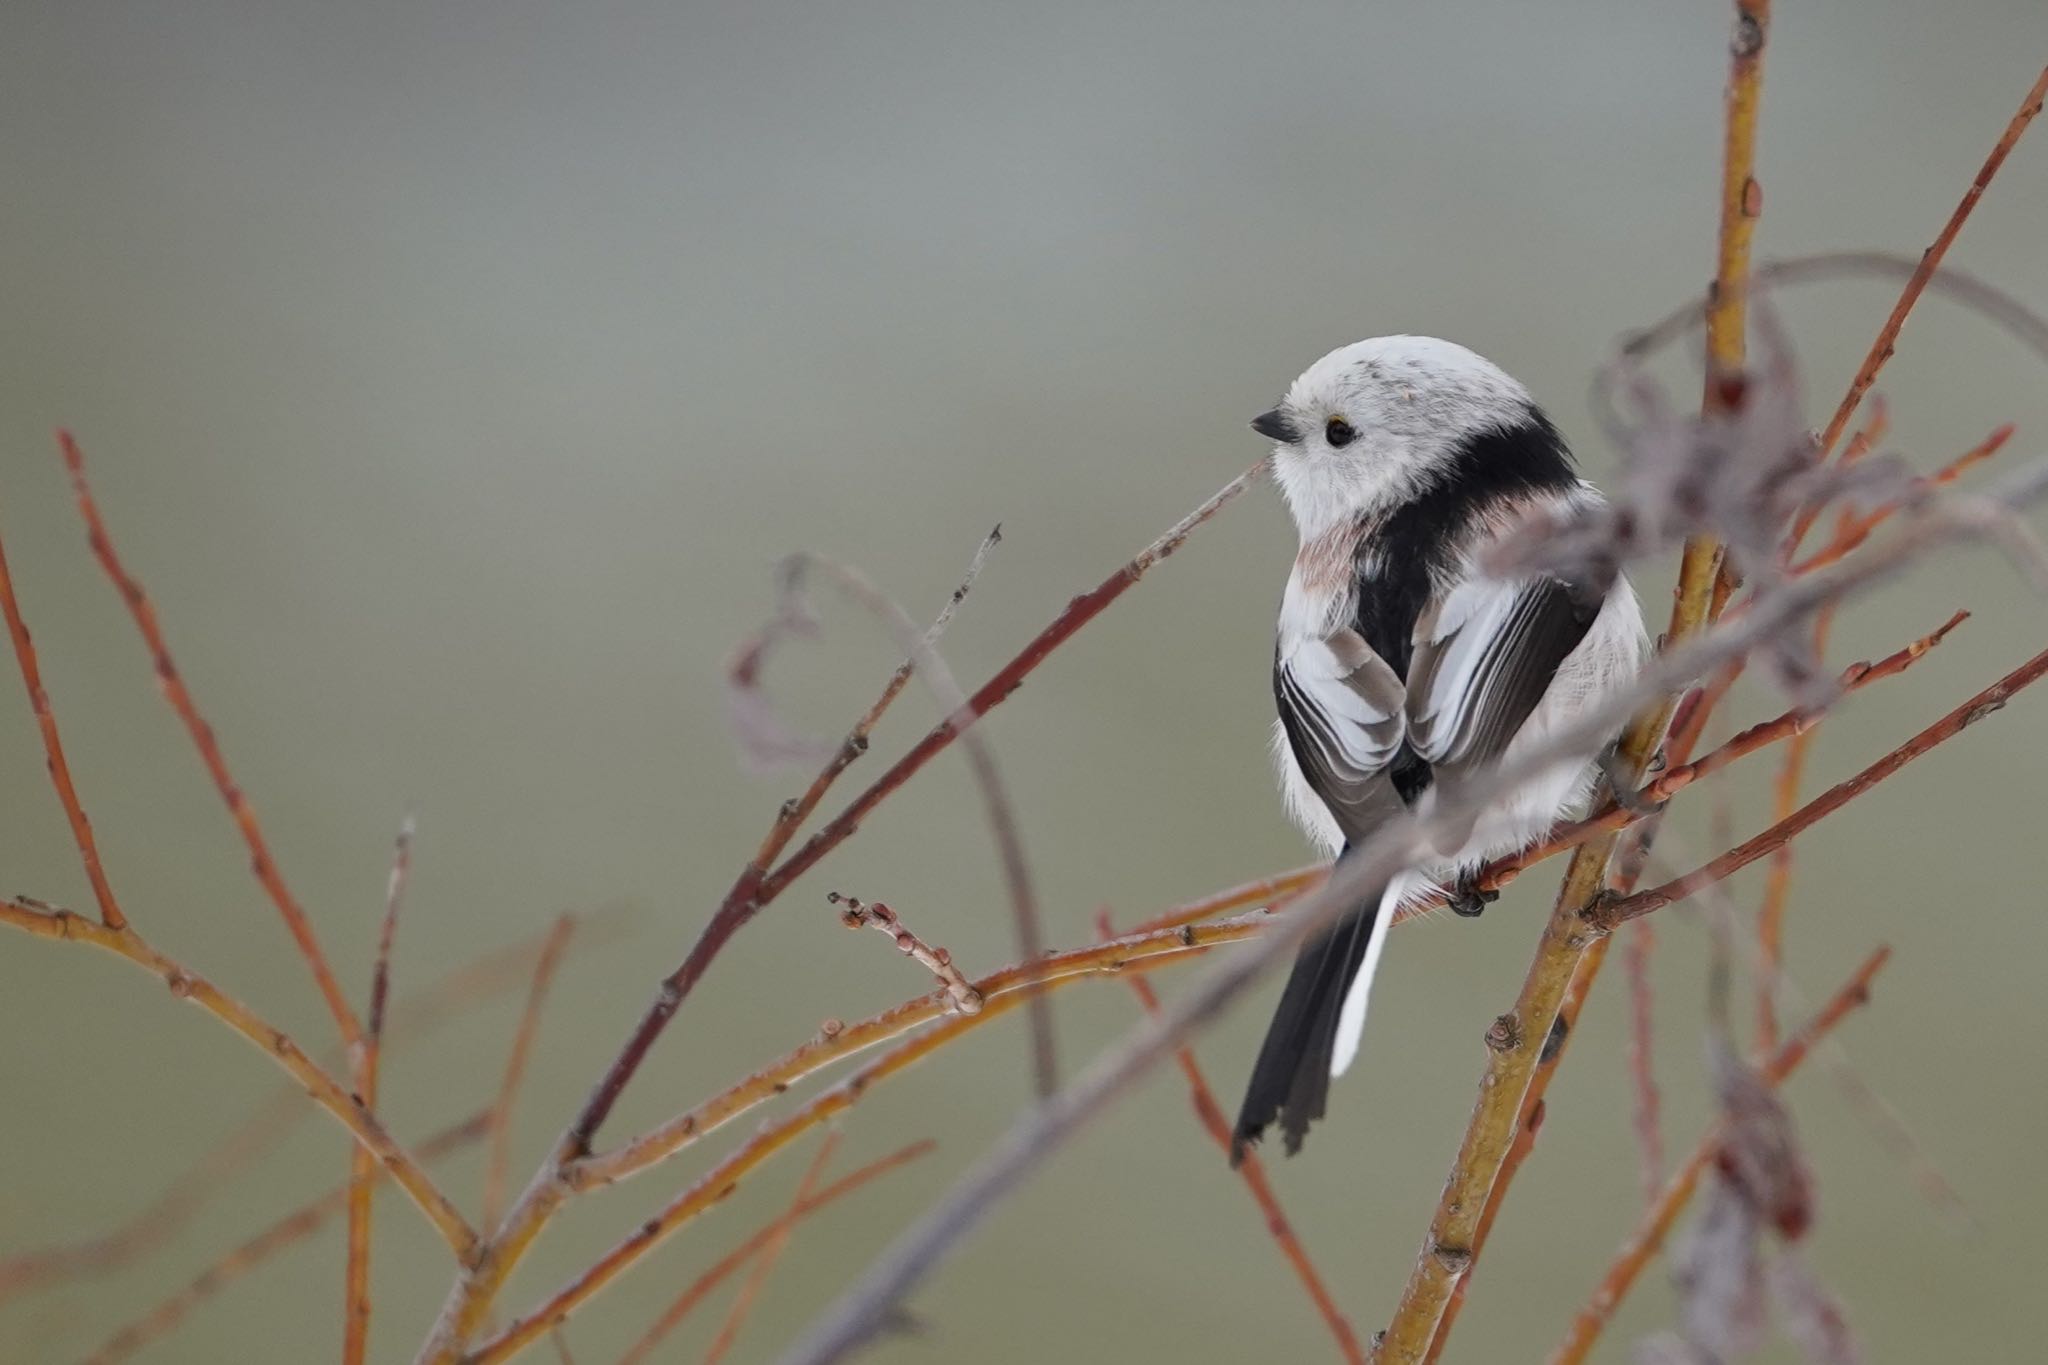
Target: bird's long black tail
x=1291 y=1079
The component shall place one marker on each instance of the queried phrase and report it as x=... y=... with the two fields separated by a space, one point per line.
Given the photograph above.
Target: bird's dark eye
x=1338 y=432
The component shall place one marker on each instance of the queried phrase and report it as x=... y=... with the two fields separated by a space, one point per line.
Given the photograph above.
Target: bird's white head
x=1368 y=426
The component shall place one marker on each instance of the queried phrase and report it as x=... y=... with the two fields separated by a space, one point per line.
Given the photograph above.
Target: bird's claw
x=1468 y=901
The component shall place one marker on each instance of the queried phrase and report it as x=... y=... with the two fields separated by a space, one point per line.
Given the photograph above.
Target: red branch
x=53 y=753
x=700 y=1289
x=1253 y=1171
x=1881 y=348
x=1991 y=699
x=771 y=1252
x=180 y=697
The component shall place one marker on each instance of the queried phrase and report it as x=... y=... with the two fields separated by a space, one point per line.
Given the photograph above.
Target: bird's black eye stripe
x=1339 y=432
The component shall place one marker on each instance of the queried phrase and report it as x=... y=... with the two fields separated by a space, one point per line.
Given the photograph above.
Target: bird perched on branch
x=1406 y=666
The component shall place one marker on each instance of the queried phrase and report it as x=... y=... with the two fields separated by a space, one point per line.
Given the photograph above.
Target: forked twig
x=54 y=761
x=863 y=915
x=1002 y=816
x=1987 y=702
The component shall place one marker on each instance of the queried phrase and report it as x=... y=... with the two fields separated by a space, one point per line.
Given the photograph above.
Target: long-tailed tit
x=1405 y=669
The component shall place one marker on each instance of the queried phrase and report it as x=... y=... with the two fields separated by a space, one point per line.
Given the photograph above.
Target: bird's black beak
x=1274 y=426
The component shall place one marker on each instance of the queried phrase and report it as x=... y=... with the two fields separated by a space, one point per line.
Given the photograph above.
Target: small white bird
x=1404 y=670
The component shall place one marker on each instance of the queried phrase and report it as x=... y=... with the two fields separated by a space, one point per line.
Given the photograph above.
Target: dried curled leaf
x=1760 y=1156
x=1719 y=1274
x=1812 y=1317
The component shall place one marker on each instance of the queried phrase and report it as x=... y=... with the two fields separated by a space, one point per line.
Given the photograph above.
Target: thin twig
x=1642 y=1060
x=1770 y=920
x=1991 y=700
x=1002 y=816
x=1930 y=261
x=1128 y=954
x=499 y=1146
x=798 y=809
x=412 y=1019
x=1856 y=529
x=328 y=1093
x=1253 y=1171
x=749 y=895
x=296 y=1226
x=1664 y=1211
x=1680 y=774
x=362 y=1167
x=172 y=683
x=771 y=1252
x=700 y=1289
x=54 y=761
x=387 y=934
x=862 y=915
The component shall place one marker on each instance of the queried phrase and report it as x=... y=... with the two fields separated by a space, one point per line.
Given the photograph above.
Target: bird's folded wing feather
x=1485 y=653
x=1342 y=707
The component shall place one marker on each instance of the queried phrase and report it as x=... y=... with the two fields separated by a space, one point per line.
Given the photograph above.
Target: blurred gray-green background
x=454 y=374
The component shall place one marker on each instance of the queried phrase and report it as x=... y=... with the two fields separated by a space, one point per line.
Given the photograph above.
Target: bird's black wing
x=1344 y=713
x=1484 y=655
x=1343 y=710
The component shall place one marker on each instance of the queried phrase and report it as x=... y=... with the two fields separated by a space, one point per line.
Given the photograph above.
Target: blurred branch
x=412 y=1019
x=499 y=1146
x=1648 y=1125
x=328 y=1093
x=296 y=1226
x=701 y=1288
x=1252 y=1169
x=362 y=1167
x=1658 y=1220
x=1002 y=815
x=770 y=1253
